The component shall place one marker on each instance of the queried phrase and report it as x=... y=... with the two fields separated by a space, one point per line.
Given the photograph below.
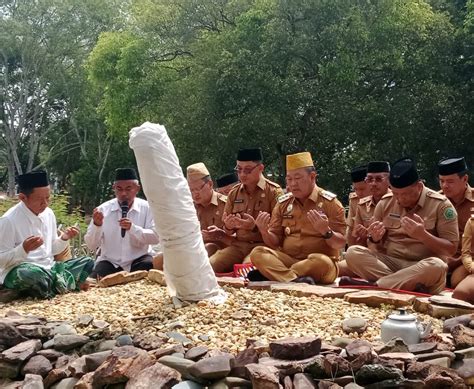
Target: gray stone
x=180 y=364
x=93 y=361
x=353 y=385
x=48 y=344
x=78 y=367
x=295 y=348
x=155 y=376
x=100 y=324
x=51 y=354
x=336 y=366
x=370 y=374
x=178 y=355
x=33 y=381
x=148 y=342
x=9 y=335
x=63 y=329
x=176 y=325
x=465 y=353
x=84 y=320
x=442 y=361
x=263 y=377
x=313 y=365
x=358 y=347
x=394 y=345
x=204 y=338
x=354 y=324
x=233 y=382
x=22 y=351
x=196 y=353
x=106 y=345
x=34 y=331
x=341 y=342
x=69 y=342
x=466 y=371
x=213 y=368
x=399 y=383
x=449 y=324
x=124 y=340
x=66 y=383
x=37 y=365
x=421 y=348
x=436 y=354
x=303 y=381
x=179 y=338
x=243 y=358
x=9 y=370
x=188 y=385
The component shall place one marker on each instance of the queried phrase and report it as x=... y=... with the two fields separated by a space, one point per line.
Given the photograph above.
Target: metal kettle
x=404 y=325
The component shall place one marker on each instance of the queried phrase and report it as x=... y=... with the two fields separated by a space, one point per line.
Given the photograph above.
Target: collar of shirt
x=116 y=206
x=214 y=198
x=421 y=200
x=468 y=195
x=30 y=215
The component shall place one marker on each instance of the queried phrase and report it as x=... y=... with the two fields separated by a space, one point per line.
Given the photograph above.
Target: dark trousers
x=104 y=268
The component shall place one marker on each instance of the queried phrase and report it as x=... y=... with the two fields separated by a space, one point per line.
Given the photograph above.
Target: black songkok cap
x=359 y=173
x=32 y=180
x=449 y=166
x=125 y=174
x=378 y=167
x=227 y=179
x=250 y=155
x=403 y=173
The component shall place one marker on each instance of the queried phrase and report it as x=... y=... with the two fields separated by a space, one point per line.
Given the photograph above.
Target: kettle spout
x=424 y=332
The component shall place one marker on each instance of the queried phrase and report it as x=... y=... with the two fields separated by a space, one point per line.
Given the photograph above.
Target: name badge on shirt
x=287 y=216
x=394 y=215
x=238 y=201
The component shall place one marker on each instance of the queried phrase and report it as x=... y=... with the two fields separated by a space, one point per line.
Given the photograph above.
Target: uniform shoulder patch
x=328 y=195
x=272 y=183
x=366 y=199
x=436 y=195
x=353 y=195
x=284 y=197
x=449 y=213
x=387 y=195
x=222 y=198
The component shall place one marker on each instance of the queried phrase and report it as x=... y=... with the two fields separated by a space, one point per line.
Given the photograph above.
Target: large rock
x=466 y=371
x=263 y=377
x=394 y=345
x=434 y=355
x=243 y=358
x=180 y=364
x=358 y=347
x=421 y=348
x=373 y=298
x=9 y=335
x=78 y=367
x=34 y=331
x=313 y=365
x=124 y=363
x=158 y=276
x=93 y=361
x=122 y=277
x=196 y=353
x=370 y=374
x=336 y=366
x=295 y=348
x=231 y=281
x=354 y=324
x=155 y=376
x=37 y=365
x=303 y=381
x=213 y=368
x=9 y=370
x=441 y=311
x=85 y=382
x=463 y=336
x=51 y=354
x=449 y=324
x=466 y=353
x=426 y=371
x=451 y=302
x=66 y=383
x=22 y=351
x=33 y=381
x=69 y=342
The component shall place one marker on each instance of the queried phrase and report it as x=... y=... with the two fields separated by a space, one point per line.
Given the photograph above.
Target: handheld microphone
x=124 y=208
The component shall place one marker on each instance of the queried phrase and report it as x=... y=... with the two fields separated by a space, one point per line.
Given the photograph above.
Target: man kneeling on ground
x=307 y=224
x=123 y=229
x=29 y=240
x=413 y=227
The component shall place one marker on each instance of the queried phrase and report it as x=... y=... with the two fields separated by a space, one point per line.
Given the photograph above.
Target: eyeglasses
x=377 y=180
x=196 y=190
x=247 y=170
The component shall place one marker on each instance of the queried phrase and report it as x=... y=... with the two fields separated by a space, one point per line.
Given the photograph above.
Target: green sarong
x=63 y=277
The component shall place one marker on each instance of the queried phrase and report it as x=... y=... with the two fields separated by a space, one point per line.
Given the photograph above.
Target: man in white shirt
x=123 y=229
x=29 y=240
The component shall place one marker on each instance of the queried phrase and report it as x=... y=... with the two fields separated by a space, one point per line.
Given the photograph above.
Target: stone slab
x=375 y=298
x=306 y=290
x=231 y=281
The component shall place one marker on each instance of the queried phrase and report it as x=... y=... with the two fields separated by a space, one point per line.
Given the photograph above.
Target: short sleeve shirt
x=290 y=222
x=211 y=214
x=440 y=220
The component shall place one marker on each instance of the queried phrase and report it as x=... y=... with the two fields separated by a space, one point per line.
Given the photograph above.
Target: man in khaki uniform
x=454 y=183
x=305 y=231
x=252 y=195
x=465 y=289
x=209 y=207
x=361 y=190
x=226 y=182
x=414 y=226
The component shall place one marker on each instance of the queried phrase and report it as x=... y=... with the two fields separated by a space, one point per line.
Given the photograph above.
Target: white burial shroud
x=186 y=264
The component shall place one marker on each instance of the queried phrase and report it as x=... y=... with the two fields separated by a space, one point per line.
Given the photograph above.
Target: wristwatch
x=328 y=235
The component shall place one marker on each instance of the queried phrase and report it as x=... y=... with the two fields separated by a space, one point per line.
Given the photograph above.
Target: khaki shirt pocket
x=391 y=223
x=239 y=208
